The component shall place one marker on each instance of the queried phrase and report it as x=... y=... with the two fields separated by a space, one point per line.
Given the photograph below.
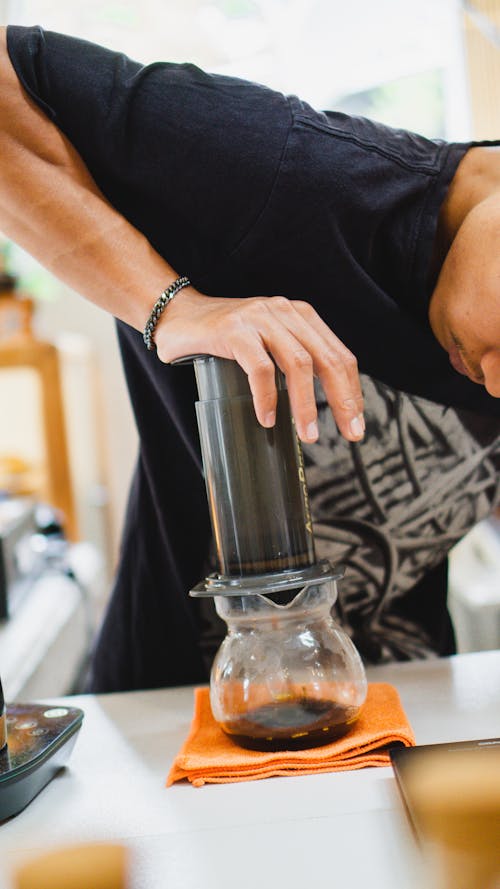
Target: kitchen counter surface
x=346 y=829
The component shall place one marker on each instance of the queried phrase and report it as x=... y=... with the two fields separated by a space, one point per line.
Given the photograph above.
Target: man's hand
x=254 y=329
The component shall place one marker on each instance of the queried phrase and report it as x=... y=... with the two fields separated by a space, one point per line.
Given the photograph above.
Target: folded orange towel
x=209 y=756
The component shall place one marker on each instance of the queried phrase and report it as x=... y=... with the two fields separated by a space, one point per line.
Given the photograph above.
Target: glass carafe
x=286 y=676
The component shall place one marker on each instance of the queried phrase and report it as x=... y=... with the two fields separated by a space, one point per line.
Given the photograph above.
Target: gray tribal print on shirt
x=391 y=507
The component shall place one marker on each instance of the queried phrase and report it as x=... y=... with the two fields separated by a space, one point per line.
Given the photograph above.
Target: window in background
x=414 y=102
x=321 y=49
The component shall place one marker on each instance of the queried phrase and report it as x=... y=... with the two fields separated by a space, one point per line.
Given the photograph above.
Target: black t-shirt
x=247 y=192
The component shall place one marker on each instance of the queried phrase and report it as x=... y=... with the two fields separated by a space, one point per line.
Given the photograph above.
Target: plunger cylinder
x=255 y=477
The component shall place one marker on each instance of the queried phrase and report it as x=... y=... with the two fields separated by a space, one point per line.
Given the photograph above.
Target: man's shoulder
x=406 y=148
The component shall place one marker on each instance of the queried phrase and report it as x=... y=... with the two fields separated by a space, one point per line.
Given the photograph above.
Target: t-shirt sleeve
x=178 y=151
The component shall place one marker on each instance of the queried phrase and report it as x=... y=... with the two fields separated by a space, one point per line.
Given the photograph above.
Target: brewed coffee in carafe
x=286 y=676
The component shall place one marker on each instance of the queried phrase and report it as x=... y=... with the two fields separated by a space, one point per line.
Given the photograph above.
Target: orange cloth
x=209 y=756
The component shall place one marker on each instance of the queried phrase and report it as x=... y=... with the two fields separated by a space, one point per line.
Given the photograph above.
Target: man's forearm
x=50 y=205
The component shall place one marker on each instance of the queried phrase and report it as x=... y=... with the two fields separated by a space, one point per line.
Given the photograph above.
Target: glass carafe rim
x=238 y=586
x=310 y=602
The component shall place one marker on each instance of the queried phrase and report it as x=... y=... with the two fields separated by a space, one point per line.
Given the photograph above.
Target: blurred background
x=68 y=438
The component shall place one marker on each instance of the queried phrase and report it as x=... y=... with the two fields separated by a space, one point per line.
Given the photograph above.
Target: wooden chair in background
x=19 y=348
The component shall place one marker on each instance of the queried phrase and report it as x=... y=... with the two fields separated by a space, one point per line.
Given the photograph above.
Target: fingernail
x=269 y=419
x=358 y=426
x=312 y=431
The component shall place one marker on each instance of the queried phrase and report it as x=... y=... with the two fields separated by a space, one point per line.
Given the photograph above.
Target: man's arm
x=50 y=205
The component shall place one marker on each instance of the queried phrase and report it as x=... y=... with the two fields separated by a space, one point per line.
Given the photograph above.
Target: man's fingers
x=297 y=365
x=303 y=347
x=261 y=372
x=332 y=363
x=259 y=330
x=338 y=374
x=291 y=356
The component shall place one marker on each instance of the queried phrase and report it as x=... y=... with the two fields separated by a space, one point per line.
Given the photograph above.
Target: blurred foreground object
x=455 y=800
x=93 y=866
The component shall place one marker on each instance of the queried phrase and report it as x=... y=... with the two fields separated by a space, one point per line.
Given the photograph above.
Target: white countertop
x=342 y=830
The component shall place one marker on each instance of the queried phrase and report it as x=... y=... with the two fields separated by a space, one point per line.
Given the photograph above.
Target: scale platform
x=39 y=741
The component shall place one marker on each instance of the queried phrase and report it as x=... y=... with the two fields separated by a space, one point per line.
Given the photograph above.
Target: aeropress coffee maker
x=35 y=742
x=286 y=676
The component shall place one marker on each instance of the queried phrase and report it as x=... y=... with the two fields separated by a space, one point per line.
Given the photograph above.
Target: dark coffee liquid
x=291 y=725
x=290 y=561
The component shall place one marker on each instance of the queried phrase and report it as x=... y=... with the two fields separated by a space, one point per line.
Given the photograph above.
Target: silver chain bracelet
x=159 y=307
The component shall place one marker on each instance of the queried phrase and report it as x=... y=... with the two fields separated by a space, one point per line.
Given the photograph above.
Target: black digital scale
x=35 y=742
